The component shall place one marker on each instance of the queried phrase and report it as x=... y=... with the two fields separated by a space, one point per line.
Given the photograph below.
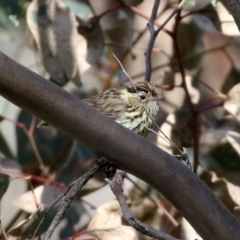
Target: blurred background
x=196 y=66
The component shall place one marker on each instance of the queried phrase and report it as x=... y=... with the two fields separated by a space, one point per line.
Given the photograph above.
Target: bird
x=134 y=106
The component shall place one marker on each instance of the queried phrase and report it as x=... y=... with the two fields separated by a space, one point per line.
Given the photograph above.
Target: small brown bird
x=133 y=106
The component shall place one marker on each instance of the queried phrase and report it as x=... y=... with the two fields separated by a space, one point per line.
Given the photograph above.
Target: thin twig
x=109 y=10
x=143 y=15
x=116 y=187
x=32 y=143
x=207 y=108
x=155 y=202
x=174 y=35
x=180 y=62
x=153 y=35
x=170 y=17
x=173 y=62
x=124 y=71
x=70 y=195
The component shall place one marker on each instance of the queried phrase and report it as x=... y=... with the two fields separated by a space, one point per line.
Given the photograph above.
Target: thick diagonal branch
x=124 y=148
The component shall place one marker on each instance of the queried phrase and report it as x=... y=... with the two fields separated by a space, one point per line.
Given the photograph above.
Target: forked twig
x=155 y=202
x=116 y=187
x=153 y=35
x=69 y=196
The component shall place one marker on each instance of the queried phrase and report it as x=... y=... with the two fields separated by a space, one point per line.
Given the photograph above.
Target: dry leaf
x=233 y=104
x=53 y=26
x=188 y=232
x=227 y=192
x=107 y=223
x=228 y=24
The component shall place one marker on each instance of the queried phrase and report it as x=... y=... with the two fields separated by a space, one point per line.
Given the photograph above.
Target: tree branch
x=234 y=7
x=153 y=35
x=116 y=186
x=70 y=195
x=124 y=148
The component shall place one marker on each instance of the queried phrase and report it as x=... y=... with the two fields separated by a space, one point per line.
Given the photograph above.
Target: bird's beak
x=159 y=97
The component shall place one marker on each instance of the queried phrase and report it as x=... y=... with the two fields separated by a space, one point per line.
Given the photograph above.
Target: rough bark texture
x=234 y=7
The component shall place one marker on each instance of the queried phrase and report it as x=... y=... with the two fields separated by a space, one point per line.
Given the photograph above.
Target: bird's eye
x=142 y=97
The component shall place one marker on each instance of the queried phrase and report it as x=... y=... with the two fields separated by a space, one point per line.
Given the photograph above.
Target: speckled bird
x=133 y=106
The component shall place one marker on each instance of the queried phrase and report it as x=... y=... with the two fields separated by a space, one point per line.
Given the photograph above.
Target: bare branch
x=116 y=186
x=154 y=33
x=153 y=36
x=70 y=195
x=125 y=149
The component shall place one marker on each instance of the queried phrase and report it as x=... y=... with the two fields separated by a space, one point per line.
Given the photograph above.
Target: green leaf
x=189 y=4
x=14 y=7
x=214 y=2
x=226 y=156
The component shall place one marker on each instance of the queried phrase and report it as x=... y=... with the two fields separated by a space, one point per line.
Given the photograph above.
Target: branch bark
x=69 y=197
x=153 y=35
x=116 y=186
x=125 y=149
x=234 y=7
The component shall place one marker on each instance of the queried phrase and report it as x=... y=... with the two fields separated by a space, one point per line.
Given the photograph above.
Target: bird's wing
x=92 y=101
x=112 y=108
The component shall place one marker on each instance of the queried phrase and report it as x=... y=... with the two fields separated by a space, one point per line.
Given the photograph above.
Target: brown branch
x=195 y=119
x=176 y=10
x=157 y=204
x=153 y=35
x=180 y=62
x=125 y=149
x=234 y=8
x=210 y=107
x=70 y=195
x=110 y=10
x=116 y=187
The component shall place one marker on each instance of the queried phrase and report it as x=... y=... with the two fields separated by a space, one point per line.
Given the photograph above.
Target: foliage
x=195 y=66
